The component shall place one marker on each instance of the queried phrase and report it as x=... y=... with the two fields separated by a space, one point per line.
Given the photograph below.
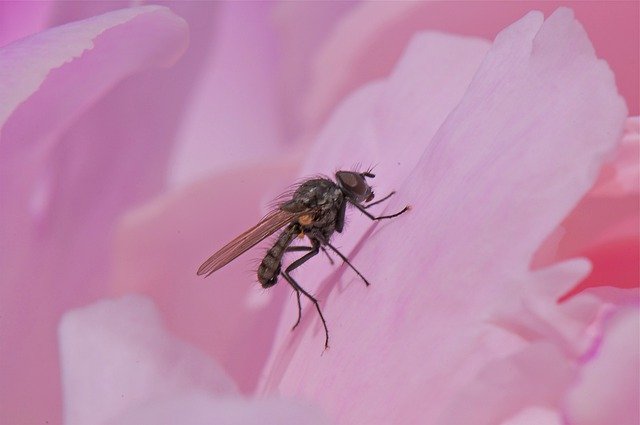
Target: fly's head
x=354 y=185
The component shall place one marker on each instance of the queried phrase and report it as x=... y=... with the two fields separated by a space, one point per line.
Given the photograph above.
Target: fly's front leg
x=364 y=211
x=379 y=200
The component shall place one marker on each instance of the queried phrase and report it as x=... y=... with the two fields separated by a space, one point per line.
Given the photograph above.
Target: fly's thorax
x=315 y=192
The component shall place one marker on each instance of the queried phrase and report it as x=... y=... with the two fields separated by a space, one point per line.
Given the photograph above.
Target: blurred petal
x=57 y=189
x=537 y=376
x=616 y=296
x=515 y=155
x=608 y=391
x=367 y=43
x=529 y=309
x=535 y=416
x=621 y=176
x=235 y=114
x=303 y=27
x=22 y=18
x=160 y=245
x=116 y=355
x=370 y=37
x=603 y=227
x=200 y=408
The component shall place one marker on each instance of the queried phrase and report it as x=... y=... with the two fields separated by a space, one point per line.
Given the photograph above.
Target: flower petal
x=303 y=27
x=22 y=18
x=621 y=176
x=61 y=182
x=535 y=416
x=116 y=355
x=608 y=391
x=511 y=160
x=371 y=36
x=199 y=408
x=536 y=376
x=234 y=115
x=603 y=227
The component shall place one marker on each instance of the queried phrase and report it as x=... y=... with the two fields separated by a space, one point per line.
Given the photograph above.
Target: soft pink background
x=132 y=161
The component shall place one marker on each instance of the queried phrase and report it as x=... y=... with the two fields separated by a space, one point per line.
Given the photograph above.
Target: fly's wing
x=265 y=228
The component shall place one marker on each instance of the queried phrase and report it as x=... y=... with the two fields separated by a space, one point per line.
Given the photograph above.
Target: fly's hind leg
x=311 y=298
x=313 y=251
x=299 y=307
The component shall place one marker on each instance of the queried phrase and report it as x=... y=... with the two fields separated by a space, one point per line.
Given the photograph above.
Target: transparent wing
x=266 y=227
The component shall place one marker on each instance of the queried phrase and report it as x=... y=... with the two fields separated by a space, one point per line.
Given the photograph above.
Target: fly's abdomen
x=269 y=268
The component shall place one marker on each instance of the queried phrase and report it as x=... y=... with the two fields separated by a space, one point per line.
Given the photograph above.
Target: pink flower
x=136 y=141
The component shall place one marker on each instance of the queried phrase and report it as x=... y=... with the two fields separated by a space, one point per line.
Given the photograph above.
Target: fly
x=316 y=210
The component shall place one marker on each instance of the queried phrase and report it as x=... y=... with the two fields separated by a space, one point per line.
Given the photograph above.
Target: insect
x=316 y=210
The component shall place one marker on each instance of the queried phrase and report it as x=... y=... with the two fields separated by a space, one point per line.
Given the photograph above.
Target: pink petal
x=235 y=114
x=159 y=247
x=22 y=18
x=62 y=180
x=529 y=309
x=212 y=90
x=370 y=37
x=200 y=408
x=116 y=355
x=621 y=176
x=537 y=376
x=511 y=160
x=608 y=390
x=452 y=61
x=367 y=43
x=535 y=416
x=384 y=113
x=603 y=227
x=303 y=28
x=617 y=296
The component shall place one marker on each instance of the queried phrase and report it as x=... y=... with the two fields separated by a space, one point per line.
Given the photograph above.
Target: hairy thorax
x=323 y=199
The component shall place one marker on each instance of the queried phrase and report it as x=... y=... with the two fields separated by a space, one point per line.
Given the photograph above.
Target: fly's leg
x=327 y=254
x=347 y=262
x=309 y=248
x=286 y=274
x=379 y=200
x=298 y=288
x=372 y=217
x=299 y=308
x=313 y=251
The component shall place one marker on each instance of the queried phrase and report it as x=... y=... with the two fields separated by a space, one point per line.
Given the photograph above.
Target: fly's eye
x=354 y=183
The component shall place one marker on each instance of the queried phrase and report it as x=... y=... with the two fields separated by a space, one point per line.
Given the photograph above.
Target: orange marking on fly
x=305 y=219
x=301 y=235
